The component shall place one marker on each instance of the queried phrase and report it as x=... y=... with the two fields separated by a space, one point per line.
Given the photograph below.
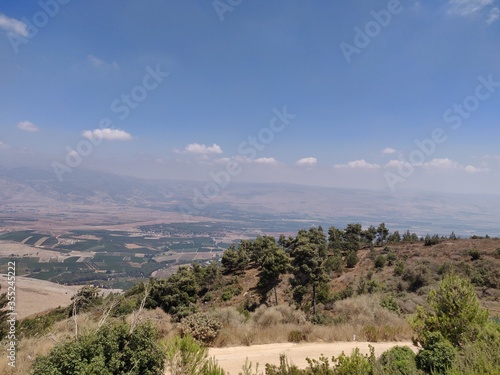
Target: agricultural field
x=109 y=258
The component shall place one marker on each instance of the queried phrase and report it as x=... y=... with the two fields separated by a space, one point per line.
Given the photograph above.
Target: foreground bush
x=454 y=312
x=398 y=360
x=112 y=350
x=186 y=356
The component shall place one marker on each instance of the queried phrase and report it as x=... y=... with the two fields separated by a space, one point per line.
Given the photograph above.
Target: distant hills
x=270 y=207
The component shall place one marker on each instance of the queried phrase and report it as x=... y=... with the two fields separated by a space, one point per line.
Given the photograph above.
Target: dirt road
x=232 y=359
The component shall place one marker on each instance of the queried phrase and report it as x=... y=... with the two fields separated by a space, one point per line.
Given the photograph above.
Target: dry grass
x=363 y=317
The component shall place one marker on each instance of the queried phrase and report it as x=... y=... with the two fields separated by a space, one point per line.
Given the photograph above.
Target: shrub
x=437 y=356
x=86 y=297
x=454 y=312
x=380 y=261
x=111 y=350
x=398 y=360
x=352 y=259
x=201 y=327
x=296 y=336
x=391 y=258
x=281 y=314
x=371 y=333
x=40 y=324
x=186 y=356
x=356 y=363
x=228 y=316
x=267 y=316
x=399 y=269
x=390 y=303
x=474 y=254
x=283 y=369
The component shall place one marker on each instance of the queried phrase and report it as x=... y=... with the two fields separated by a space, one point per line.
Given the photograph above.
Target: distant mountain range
x=264 y=204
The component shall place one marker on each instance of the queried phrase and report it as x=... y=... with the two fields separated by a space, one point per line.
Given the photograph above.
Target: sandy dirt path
x=232 y=359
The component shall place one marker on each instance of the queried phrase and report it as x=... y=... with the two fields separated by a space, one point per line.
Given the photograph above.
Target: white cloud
x=493 y=15
x=307 y=161
x=270 y=161
x=397 y=164
x=358 y=164
x=27 y=126
x=196 y=148
x=14 y=26
x=389 y=151
x=444 y=163
x=107 y=134
x=468 y=7
x=99 y=63
x=471 y=169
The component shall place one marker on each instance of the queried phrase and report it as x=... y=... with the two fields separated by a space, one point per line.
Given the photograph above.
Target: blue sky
x=360 y=83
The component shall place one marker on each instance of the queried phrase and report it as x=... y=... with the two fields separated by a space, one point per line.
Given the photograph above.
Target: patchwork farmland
x=107 y=258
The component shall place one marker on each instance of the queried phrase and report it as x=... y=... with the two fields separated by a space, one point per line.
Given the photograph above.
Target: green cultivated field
x=114 y=258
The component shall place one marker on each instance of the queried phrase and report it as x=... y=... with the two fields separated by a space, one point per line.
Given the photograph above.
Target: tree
x=334 y=239
x=274 y=263
x=309 y=255
x=85 y=298
x=369 y=234
x=454 y=312
x=351 y=237
x=382 y=233
x=395 y=237
x=176 y=295
x=235 y=259
x=259 y=248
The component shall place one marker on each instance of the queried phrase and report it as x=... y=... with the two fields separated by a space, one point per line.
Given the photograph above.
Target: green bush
x=40 y=324
x=186 y=356
x=398 y=360
x=474 y=254
x=437 y=356
x=296 y=336
x=283 y=369
x=399 y=269
x=356 y=363
x=380 y=261
x=454 y=312
x=390 y=303
x=391 y=258
x=352 y=259
x=201 y=327
x=109 y=351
